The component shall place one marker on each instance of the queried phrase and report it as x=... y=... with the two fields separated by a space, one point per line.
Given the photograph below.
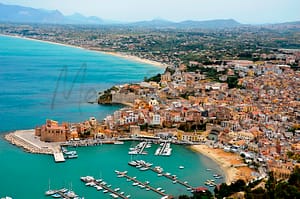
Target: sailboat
x=49 y=192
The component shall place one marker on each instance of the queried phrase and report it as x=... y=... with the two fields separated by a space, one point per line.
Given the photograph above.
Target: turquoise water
x=39 y=81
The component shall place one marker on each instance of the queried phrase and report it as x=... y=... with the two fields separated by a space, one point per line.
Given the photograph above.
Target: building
x=213 y=135
x=189 y=136
x=53 y=132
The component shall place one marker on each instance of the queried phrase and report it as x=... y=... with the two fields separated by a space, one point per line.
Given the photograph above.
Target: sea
x=40 y=81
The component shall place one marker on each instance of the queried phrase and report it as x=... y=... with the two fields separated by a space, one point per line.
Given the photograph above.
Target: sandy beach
x=232 y=164
x=117 y=54
x=136 y=59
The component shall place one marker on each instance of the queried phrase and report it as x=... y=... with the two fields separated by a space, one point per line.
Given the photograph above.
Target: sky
x=244 y=11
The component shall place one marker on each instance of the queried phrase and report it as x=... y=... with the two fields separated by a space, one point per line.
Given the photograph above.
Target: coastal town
x=257 y=118
x=239 y=106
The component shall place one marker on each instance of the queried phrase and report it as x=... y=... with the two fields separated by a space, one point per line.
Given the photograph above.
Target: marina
x=143 y=185
x=99 y=184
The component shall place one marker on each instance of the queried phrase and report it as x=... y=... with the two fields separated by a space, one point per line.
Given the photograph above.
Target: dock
x=164 y=150
x=62 y=193
x=167 y=175
x=139 y=149
x=103 y=185
x=59 y=157
x=144 y=184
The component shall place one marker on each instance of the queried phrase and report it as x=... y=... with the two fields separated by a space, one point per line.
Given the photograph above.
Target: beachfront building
x=189 y=136
x=53 y=132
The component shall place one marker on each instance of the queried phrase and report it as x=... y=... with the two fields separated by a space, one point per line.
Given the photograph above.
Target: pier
x=62 y=193
x=167 y=175
x=139 y=149
x=143 y=184
x=164 y=150
x=59 y=157
x=103 y=185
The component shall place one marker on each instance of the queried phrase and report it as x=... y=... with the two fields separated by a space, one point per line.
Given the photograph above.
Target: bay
x=41 y=80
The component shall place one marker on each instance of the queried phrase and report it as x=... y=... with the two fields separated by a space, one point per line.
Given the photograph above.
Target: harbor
x=86 y=162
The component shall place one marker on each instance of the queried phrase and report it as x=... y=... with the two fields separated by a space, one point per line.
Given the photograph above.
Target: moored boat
x=72 y=156
x=63 y=190
x=144 y=168
x=56 y=195
x=133 y=163
x=50 y=192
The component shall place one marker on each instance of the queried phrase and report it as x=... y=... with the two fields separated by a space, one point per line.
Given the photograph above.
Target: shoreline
x=111 y=53
x=230 y=163
x=134 y=58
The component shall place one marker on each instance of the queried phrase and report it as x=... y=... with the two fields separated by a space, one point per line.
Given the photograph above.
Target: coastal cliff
x=106 y=96
x=114 y=96
x=105 y=99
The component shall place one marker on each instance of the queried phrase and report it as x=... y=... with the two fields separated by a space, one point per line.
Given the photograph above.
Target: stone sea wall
x=124 y=98
x=15 y=140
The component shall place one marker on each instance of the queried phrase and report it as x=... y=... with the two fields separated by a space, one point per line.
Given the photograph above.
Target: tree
x=270 y=185
x=202 y=195
x=183 y=197
x=258 y=193
x=295 y=178
x=285 y=190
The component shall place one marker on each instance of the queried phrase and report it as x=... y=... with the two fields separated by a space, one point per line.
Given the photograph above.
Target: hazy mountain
x=77 y=18
x=160 y=23
x=14 y=13
x=219 y=23
x=153 y=23
x=21 y=14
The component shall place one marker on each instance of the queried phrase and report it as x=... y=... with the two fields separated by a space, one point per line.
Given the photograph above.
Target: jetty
x=159 y=172
x=164 y=149
x=59 y=157
x=62 y=193
x=100 y=184
x=139 y=149
x=142 y=184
